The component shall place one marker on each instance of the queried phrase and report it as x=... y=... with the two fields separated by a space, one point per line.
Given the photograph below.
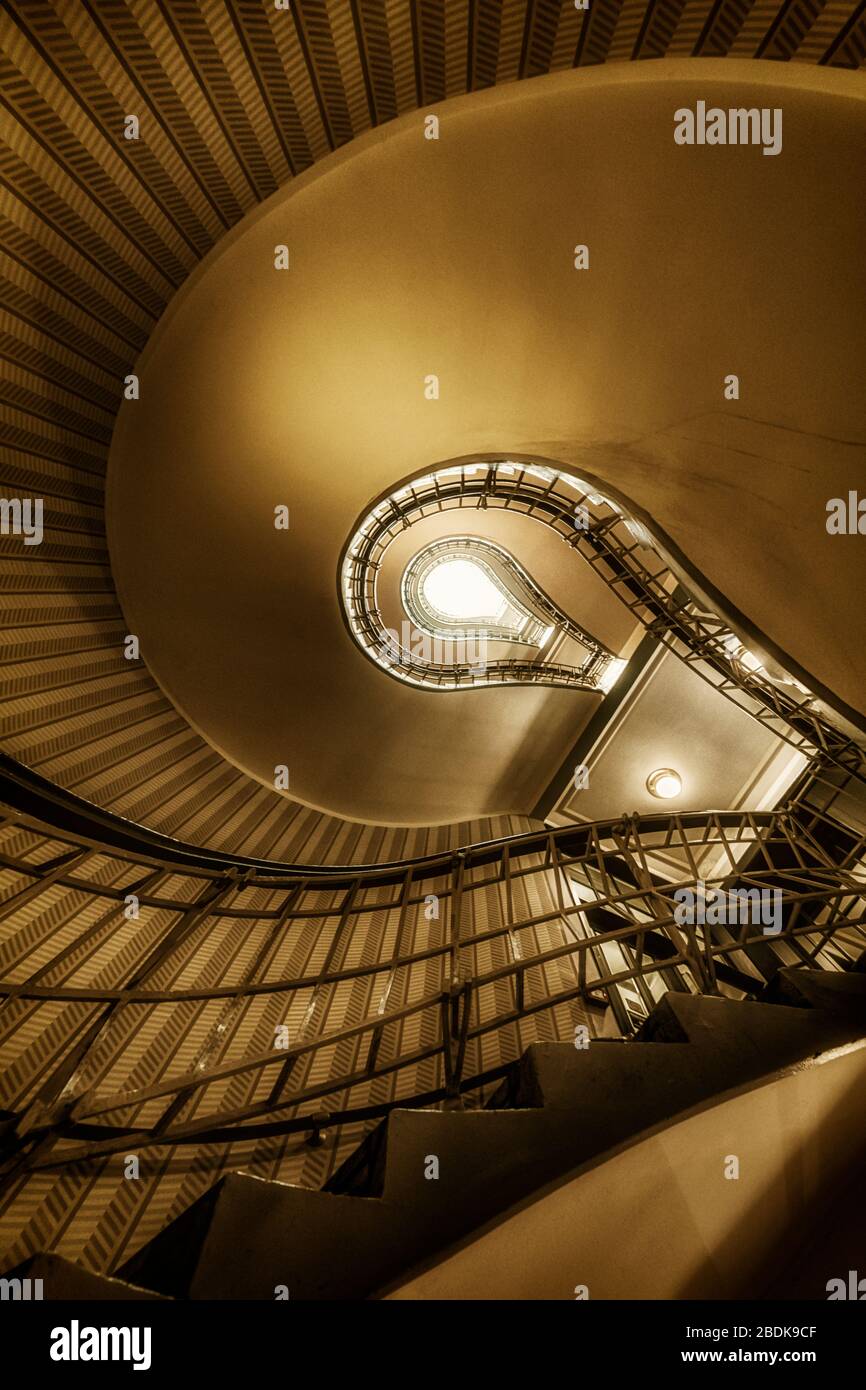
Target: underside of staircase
x=427 y=1182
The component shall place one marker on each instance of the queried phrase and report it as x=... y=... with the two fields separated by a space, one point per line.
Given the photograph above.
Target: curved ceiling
x=305 y=387
x=97 y=234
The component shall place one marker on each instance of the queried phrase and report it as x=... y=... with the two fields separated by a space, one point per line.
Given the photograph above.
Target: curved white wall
x=411 y=257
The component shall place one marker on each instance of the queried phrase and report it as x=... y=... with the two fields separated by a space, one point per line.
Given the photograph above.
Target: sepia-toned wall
x=98 y=234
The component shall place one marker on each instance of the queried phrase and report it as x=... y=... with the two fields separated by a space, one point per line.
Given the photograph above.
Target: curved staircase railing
x=640 y=564
x=408 y=968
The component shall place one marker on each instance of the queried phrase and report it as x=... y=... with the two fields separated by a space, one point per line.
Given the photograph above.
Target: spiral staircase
x=251 y=1049
x=479 y=1145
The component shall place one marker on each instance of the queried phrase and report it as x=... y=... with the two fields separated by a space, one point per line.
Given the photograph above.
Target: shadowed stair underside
x=384 y=1212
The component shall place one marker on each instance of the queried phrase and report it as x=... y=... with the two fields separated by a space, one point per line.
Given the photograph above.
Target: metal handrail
x=601 y=889
x=680 y=607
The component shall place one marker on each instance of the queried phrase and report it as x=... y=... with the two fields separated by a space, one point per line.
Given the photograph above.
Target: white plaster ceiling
x=409 y=257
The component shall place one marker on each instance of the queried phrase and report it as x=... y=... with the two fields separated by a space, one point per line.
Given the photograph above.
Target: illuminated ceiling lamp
x=664 y=783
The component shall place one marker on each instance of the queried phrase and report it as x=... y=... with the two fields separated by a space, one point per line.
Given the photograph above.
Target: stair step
x=841 y=992
x=248 y=1238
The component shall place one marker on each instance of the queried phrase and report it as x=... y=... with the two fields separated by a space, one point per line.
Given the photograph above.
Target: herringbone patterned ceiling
x=234 y=97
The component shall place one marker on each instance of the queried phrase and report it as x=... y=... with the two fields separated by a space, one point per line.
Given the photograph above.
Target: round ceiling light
x=664 y=783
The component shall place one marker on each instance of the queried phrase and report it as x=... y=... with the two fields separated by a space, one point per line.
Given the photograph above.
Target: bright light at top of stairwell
x=459 y=588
